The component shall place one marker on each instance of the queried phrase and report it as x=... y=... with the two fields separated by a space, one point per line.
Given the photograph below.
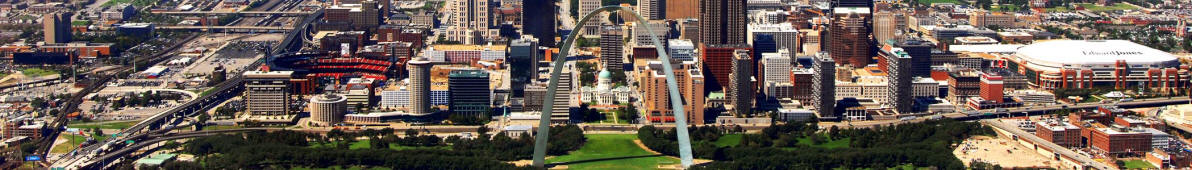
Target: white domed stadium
x=1097 y=63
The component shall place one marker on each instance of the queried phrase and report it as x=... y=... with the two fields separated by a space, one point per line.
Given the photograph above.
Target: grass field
x=1137 y=164
x=72 y=142
x=941 y=1
x=728 y=140
x=1004 y=8
x=103 y=125
x=37 y=72
x=1059 y=9
x=364 y=144
x=1114 y=7
x=842 y=143
x=613 y=151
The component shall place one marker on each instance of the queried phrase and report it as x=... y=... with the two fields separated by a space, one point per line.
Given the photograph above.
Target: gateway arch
x=672 y=87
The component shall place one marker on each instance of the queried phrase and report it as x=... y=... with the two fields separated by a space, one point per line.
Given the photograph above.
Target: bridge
x=267 y=28
x=283 y=13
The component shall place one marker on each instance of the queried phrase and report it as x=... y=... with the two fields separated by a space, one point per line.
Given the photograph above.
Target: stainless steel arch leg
x=672 y=86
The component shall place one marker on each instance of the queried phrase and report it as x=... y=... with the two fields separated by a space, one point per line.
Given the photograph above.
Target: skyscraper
x=887 y=25
x=419 y=85
x=651 y=9
x=523 y=63
x=920 y=52
x=681 y=50
x=612 y=47
x=592 y=27
x=641 y=35
x=470 y=94
x=741 y=92
x=899 y=78
x=775 y=67
x=722 y=21
x=718 y=63
x=471 y=22
x=656 y=96
x=681 y=9
x=784 y=35
x=849 y=36
x=824 y=85
x=538 y=19
x=56 y=27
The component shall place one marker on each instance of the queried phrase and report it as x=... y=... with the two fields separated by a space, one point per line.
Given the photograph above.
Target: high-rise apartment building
x=612 y=48
x=824 y=85
x=722 y=21
x=56 y=27
x=523 y=63
x=849 y=36
x=718 y=63
x=801 y=80
x=470 y=93
x=419 y=69
x=656 y=96
x=741 y=92
x=899 y=78
x=267 y=92
x=471 y=22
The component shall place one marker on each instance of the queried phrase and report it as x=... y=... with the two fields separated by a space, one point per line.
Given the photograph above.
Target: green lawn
x=1138 y=164
x=114 y=2
x=103 y=125
x=941 y=1
x=37 y=72
x=364 y=144
x=728 y=140
x=340 y=167
x=620 y=151
x=1099 y=8
x=1004 y=8
x=842 y=143
x=72 y=142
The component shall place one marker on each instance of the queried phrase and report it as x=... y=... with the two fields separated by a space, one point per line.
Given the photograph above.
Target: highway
x=1052 y=146
x=265 y=28
x=237 y=12
x=110 y=156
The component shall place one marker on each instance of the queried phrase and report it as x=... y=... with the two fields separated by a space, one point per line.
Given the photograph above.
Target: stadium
x=1116 y=64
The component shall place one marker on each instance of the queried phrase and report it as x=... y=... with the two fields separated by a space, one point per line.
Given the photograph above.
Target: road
x=1009 y=112
x=1044 y=143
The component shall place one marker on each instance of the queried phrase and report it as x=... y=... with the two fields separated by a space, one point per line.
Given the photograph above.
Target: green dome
x=605 y=74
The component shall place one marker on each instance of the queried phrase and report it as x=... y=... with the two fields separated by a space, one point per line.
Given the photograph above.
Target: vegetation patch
x=38 y=72
x=103 y=125
x=612 y=151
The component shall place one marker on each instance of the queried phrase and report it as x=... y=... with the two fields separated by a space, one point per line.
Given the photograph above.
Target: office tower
x=681 y=50
x=471 y=22
x=988 y=19
x=369 y=16
x=887 y=26
x=742 y=89
x=267 y=92
x=718 y=63
x=681 y=9
x=56 y=27
x=592 y=27
x=523 y=63
x=326 y=109
x=561 y=112
x=419 y=69
x=538 y=19
x=641 y=35
x=801 y=80
x=689 y=30
x=783 y=35
x=920 y=52
x=656 y=96
x=470 y=94
x=963 y=84
x=899 y=79
x=823 y=85
x=812 y=42
x=722 y=21
x=651 y=9
x=775 y=67
x=992 y=88
x=849 y=41
x=762 y=44
x=612 y=48
x=853 y=3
